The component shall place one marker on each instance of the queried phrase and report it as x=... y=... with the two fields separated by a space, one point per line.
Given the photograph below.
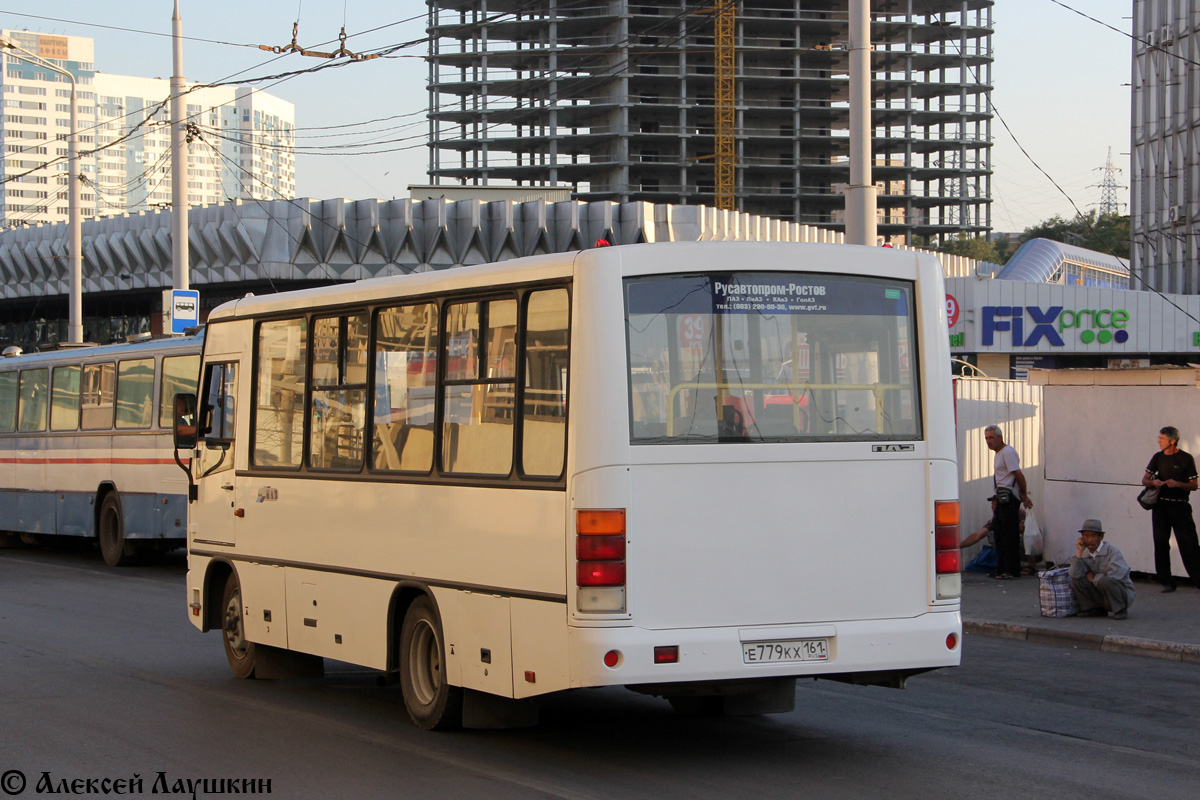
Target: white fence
x=1016 y=407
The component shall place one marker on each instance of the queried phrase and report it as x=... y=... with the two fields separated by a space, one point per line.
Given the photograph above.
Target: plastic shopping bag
x=1033 y=536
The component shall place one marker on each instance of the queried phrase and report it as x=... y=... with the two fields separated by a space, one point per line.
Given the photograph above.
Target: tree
x=1104 y=233
x=976 y=247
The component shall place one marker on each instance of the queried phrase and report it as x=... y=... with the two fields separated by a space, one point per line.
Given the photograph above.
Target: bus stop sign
x=183 y=308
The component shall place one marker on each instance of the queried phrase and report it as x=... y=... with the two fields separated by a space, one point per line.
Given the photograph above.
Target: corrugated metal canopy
x=1043 y=261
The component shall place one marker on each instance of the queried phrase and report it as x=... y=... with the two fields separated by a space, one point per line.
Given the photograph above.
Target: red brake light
x=945 y=537
x=947 y=561
x=600 y=573
x=666 y=654
x=600 y=548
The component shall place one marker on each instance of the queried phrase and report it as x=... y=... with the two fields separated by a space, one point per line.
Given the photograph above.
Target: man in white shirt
x=1011 y=494
x=1099 y=575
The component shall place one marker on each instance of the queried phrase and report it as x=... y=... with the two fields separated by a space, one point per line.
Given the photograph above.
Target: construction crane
x=725 y=104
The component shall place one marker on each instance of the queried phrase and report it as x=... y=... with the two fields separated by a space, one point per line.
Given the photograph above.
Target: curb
x=1126 y=645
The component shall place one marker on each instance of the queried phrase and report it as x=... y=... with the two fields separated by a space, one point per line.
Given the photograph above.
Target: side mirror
x=185 y=421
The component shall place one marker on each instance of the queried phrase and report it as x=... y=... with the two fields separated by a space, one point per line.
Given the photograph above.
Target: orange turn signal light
x=946 y=512
x=599 y=521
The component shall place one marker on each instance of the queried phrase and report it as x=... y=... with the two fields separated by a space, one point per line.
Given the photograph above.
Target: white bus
x=86 y=444
x=699 y=470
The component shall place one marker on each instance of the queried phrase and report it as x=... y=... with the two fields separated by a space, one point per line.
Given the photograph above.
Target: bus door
x=218 y=505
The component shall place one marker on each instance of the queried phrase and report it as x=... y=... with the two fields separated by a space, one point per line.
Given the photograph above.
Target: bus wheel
x=113 y=546
x=431 y=701
x=238 y=650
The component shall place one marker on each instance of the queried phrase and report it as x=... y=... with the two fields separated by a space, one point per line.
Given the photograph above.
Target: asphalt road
x=103 y=677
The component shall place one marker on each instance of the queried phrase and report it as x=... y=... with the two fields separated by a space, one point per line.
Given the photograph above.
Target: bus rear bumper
x=853 y=651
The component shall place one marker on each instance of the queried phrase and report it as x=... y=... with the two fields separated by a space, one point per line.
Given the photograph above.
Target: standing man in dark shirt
x=1174 y=471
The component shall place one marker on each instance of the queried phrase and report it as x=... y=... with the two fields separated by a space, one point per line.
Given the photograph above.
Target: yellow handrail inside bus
x=796 y=390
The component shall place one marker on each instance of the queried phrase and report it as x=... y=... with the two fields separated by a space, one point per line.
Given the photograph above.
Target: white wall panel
x=1101 y=429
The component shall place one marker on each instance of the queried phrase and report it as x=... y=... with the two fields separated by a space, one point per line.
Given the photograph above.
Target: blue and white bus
x=85 y=444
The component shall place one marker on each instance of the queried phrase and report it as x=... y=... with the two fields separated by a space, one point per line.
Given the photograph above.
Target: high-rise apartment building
x=1164 y=195
x=37 y=121
x=243 y=145
x=616 y=99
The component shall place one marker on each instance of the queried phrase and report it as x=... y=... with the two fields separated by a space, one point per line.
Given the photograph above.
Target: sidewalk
x=1159 y=625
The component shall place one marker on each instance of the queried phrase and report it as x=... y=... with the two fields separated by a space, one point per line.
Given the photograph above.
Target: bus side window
x=219 y=409
x=339 y=392
x=64 y=399
x=280 y=358
x=135 y=393
x=402 y=423
x=478 y=396
x=8 y=402
x=178 y=377
x=96 y=396
x=32 y=409
x=547 y=359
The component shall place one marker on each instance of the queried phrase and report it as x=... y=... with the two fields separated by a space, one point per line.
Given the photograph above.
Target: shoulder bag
x=1148 y=497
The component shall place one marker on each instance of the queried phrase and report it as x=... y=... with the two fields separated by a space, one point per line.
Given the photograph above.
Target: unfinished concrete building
x=615 y=99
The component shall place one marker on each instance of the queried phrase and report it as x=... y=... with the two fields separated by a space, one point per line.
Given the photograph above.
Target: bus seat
x=776 y=420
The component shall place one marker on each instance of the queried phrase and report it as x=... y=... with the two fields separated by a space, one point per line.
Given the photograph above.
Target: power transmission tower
x=1108 y=187
x=950 y=188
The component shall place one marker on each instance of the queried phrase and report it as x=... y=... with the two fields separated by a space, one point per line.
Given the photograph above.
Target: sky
x=1060 y=83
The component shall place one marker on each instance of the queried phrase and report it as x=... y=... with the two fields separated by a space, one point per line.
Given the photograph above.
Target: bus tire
x=117 y=552
x=432 y=703
x=238 y=650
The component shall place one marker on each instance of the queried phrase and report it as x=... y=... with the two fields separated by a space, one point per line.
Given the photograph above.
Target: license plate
x=793 y=650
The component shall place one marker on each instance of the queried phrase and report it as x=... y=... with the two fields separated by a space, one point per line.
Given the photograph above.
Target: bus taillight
x=947 y=560
x=607 y=547
x=600 y=573
x=600 y=560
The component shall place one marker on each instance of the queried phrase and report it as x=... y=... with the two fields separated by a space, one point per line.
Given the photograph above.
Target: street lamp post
x=74 y=225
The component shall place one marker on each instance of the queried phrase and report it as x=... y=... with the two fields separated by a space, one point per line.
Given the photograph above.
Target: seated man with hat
x=1099 y=575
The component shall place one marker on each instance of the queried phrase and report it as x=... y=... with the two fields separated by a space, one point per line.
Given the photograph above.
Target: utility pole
x=861 y=225
x=179 y=153
x=74 y=223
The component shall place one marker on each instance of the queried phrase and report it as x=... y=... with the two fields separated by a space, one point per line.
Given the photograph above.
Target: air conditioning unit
x=1176 y=215
x=1165 y=36
x=1151 y=39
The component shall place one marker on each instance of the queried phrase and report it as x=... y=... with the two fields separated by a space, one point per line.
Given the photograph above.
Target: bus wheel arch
x=402 y=597
x=215 y=579
x=432 y=703
x=239 y=651
x=110 y=528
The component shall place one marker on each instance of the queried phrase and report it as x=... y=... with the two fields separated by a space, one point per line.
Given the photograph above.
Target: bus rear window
x=771 y=357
